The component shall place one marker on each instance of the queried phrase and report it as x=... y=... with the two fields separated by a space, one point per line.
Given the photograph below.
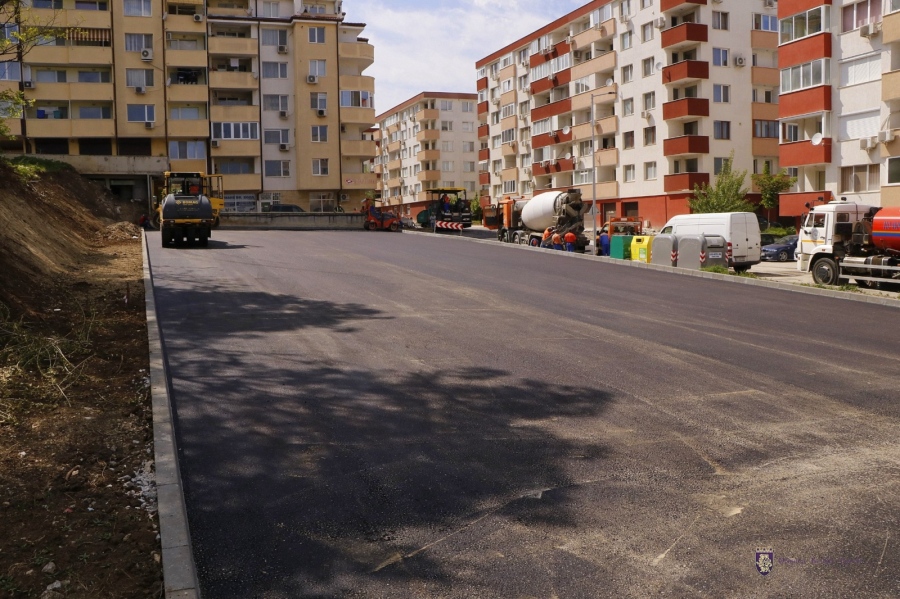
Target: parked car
x=286 y=208
x=782 y=250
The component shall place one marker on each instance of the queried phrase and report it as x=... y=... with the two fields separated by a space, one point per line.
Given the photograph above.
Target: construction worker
x=570 y=239
x=545 y=240
x=557 y=241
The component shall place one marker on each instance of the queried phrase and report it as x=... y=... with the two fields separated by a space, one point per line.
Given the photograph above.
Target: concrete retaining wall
x=293 y=221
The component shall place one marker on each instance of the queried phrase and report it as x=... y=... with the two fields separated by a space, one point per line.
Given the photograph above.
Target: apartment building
x=270 y=94
x=840 y=101
x=632 y=101
x=426 y=142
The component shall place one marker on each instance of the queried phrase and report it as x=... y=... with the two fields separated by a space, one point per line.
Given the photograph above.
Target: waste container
x=641 y=247
x=620 y=246
x=716 y=251
x=664 y=250
x=690 y=250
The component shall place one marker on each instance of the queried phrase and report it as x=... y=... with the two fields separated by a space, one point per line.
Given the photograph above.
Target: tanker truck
x=844 y=240
x=524 y=221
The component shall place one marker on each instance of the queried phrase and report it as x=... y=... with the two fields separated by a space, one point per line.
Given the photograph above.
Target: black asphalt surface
x=397 y=415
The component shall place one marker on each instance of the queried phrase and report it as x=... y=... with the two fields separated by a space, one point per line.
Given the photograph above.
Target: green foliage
x=475 y=207
x=718 y=269
x=771 y=185
x=29 y=167
x=728 y=194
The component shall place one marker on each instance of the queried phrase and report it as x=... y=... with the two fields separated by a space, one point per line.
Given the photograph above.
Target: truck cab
x=824 y=235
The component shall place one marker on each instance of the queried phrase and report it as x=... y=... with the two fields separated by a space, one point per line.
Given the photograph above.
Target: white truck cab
x=822 y=228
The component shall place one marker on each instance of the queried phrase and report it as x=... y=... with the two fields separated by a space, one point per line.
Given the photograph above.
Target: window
x=468 y=126
x=446 y=105
x=141 y=113
x=275 y=70
x=861 y=70
x=765 y=22
x=135 y=42
x=47 y=76
x=861 y=178
x=468 y=146
x=806 y=75
x=628 y=140
x=446 y=125
x=801 y=25
x=647 y=66
x=447 y=166
x=316 y=35
x=765 y=129
x=628 y=107
x=187 y=150
x=184 y=113
x=627 y=73
x=138 y=8
x=138 y=77
x=270 y=9
x=540 y=127
x=722 y=129
x=646 y=3
x=626 y=40
x=52 y=4
x=720 y=57
x=628 y=173
x=468 y=167
x=446 y=146
x=649 y=171
x=277 y=168
x=95 y=112
x=893 y=5
x=649 y=100
x=273 y=37
x=317 y=67
x=93 y=76
x=791 y=132
x=320 y=166
x=859 y=125
x=719 y=164
x=649 y=136
x=766 y=96
x=320 y=133
x=10 y=71
x=720 y=20
x=721 y=93
x=646 y=32
x=314 y=9
x=859 y=14
x=318 y=100
x=468 y=106
x=275 y=102
x=894 y=163
x=356 y=99
x=235 y=130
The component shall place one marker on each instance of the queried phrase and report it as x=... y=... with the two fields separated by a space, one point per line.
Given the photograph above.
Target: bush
x=31 y=167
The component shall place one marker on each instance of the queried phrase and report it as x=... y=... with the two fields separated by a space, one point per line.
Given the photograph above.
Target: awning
x=88 y=35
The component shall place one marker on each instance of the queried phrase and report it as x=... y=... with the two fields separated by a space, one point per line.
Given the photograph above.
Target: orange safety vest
x=547 y=233
x=557 y=240
x=570 y=237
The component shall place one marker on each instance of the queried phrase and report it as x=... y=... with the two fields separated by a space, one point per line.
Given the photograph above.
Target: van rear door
x=738 y=237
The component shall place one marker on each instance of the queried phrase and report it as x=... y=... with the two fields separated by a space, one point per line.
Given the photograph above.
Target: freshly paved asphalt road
x=387 y=415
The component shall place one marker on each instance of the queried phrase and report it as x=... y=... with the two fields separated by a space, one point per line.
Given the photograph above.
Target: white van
x=740 y=230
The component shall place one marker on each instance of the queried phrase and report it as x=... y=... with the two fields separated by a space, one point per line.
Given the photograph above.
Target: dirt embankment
x=77 y=499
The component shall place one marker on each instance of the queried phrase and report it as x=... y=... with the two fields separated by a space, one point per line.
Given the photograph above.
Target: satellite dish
x=816 y=139
x=659 y=66
x=568 y=155
x=566 y=130
x=609 y=82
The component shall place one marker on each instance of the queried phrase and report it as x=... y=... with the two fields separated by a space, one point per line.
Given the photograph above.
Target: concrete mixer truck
x=524 y=221
x=843 y=240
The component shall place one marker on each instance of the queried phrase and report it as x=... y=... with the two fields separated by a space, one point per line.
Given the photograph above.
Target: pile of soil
x=77 y=494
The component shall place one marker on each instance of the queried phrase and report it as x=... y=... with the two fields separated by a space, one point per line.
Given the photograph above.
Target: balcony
x=363 y=181
x=763 y=40
x=74 y=55
x=484 y=154
x=484 y=131
x=680 y=5
x=482 y=107
x=608 y=157
x=604 y=63
x=807 y=101
x=890 y=28
x=93 y=128
x=48 y=127
x=803 y=153
x=84 y=19
x=186 y=58
x=361 y=51
x=187 y=93
x=246 y=182
x=394 y=165
x=218 y=112
x=606 y=30
x=428 y=114
x=552 y=109
x=805 y=50
x=428 y=135
x=509 y=149
x=685 y=108
x=423 y=176
x=358 y=115
x=236 y=147
x=765 y=76
x=794 y=204
x=186 y=23
x=189 y=128
x=686 y=34
x=686 y=144
x=890 y=86
x=765 y=146
x=233 y=80
x=484 y=178
x=428 y=155
x=357 y=147
x=685 y=72
x=357 y=83
x=761 y=111
x=684 y=181
x=88 y=92
x=237 y=11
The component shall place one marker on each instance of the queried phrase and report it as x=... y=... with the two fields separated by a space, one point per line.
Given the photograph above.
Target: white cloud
x=433 y=46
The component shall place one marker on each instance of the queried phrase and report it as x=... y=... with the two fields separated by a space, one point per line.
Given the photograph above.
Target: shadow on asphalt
x=303 y=475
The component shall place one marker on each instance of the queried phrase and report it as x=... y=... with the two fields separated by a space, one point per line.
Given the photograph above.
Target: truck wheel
x=534 y=242
x=216 y=223
x=165 y=236
x=366 y=225
x=743 y=268
x=394 y=227
x=825 y=271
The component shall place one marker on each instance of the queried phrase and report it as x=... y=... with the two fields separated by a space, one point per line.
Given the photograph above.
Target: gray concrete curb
x=179 y=571
x=793 y=287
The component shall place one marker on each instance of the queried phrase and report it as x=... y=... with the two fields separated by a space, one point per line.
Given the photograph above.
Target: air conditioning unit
x=523 y=117
x=140 y=90
x=547 y=50
x=739 y=60
x=198 y=18
x=321 y=112
x=867 y=30
x=867 y=143
x=526 y=146
x=284 y=147
x=527 y=172
x=645 y=114
x=623 y=18
x=282 y=49
x=661 y=22
x=28 y=84
x=495 y=101
x=168 y=35
x=770 y=3
x=569 y=39
x=545 y=164
x=146 y=54
x=312 y=79
x=497 y=173
x=149 y=125
x=283 y=114
x=214 y=143
x=554 y=133
x=886 y=136
x=493 y=76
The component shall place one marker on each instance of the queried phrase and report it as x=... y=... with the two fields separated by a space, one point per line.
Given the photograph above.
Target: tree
x=770 y=186
x=475 y=207
x=727 y=195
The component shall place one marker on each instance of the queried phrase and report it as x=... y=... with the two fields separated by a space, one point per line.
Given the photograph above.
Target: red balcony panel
x=540 y=58
x=561 y=48
x=484 y=154
x=787 y=8
x=482 y=107
x=665 y=5
x=482 y=84
x=807 y=101
x=546 y=139
x=563 y=165
x=484 y=178
x=686 y=69
x=563 y=77
x=552 y=109
x=804 y=50
x=686 y=32
x=538 y=168
x=794 y=204
x=802 y=153
x=684 y=181
x=541 y=85
x=686 y=107
x=686 y=144
x=484 y=131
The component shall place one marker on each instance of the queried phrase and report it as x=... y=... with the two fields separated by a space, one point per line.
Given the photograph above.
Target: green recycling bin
x=620 y=246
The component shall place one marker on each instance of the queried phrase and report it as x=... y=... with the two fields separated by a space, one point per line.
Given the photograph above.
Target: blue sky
x=432 y=45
